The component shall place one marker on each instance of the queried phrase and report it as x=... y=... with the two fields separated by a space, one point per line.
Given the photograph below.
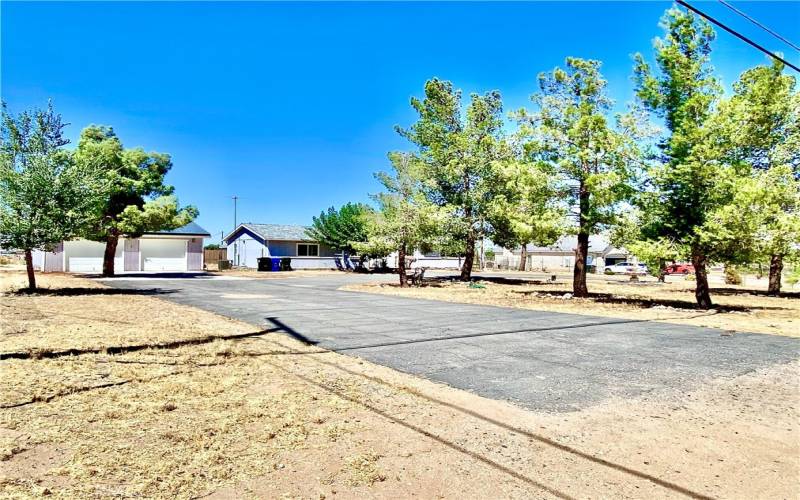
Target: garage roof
x=190 y=229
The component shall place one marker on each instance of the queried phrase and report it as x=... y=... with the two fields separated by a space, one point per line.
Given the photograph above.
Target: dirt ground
x=262 y=416
x=737 y=308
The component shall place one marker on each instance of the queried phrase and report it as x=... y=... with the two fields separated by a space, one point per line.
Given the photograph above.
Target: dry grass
x=70 y=312
x=737 y=308
x=241 y=418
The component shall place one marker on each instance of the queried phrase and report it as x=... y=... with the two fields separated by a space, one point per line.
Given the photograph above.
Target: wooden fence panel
x=212 y=256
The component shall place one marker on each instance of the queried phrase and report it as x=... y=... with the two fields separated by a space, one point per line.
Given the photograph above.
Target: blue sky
x=292 y=106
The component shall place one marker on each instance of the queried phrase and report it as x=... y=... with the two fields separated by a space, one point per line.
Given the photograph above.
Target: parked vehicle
x=626 y=268
x=679 y=269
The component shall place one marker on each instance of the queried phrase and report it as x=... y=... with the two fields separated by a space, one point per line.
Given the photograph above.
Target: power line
x=738 y=35
x=765 y=28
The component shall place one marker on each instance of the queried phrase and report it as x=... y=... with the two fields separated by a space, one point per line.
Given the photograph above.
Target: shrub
x=732 y=276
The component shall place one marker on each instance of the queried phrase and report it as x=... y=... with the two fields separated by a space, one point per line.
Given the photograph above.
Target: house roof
x=282 y=232
x=190 y=229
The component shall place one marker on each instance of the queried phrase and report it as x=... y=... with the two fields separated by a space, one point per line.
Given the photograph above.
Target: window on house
x=307 y=250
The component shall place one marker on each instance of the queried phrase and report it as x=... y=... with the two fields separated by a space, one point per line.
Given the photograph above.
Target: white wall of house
x=246 y=251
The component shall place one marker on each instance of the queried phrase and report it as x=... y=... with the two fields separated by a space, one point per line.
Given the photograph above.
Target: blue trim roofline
x=244 y=229
x=190 y=229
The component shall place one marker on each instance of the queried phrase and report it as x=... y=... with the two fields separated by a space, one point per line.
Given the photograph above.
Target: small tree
x=570 y=132
x=341 y=229
x=457 y=157
x=685 y=183
x=138 y=200
x=44 y=196
x=405 y=219
x=526 y=209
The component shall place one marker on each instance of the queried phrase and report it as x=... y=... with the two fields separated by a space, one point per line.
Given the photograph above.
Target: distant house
x=249 y=241
x=561 y=255
x=431 y=260
x=175 y=250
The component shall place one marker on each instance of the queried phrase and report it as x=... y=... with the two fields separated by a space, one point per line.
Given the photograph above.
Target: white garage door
x=84 y=256
x=163 y=255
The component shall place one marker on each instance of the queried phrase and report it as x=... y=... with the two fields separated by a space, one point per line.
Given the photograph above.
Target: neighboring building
x=249 y=241
x=176 y=250
x=427 y=260
x=561 y=255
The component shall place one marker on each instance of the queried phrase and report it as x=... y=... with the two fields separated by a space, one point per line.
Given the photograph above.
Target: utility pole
x=235 y=220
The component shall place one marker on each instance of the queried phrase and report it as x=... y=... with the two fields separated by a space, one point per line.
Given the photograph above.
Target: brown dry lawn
x=737 y=308
x=263 y=417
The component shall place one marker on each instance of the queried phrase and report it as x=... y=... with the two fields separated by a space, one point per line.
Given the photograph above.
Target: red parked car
x=679 y=269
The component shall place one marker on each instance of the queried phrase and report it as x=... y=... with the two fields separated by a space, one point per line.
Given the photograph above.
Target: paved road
x=541 y=360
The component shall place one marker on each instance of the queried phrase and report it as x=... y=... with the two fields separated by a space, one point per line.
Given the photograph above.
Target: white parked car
x=626 y=268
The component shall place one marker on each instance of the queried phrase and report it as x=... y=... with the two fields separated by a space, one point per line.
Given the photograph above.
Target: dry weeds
x=736 y=308
x=237 y=419
x=77 y=313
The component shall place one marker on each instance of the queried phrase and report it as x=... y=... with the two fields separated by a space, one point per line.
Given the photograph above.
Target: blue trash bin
x=276 y=264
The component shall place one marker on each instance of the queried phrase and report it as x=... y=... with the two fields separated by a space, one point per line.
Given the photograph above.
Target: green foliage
x=44 y=196
x=405 y=218
x=759 y=131
x=571 y=134
x=211 y=246
x=457 y=158
x=593 y=161
x=689 y=181
x=527 y=207
x=136 y=181
x=341 y=229
x=653 y=253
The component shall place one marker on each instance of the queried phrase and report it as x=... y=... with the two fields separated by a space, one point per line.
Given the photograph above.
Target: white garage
x=83 y=256
x=163 y=254
x=174 y=250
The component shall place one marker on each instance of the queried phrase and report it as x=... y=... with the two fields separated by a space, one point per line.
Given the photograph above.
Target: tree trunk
x=775 y=270
x=661 y=276
x=579 y=288
x=29 y=266
x=469 y=258
x=111 y=250
x=401 y=266
x=523 y=257
x=701 y=291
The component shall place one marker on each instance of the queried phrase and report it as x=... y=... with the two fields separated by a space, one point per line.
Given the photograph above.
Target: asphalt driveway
x=541 y=360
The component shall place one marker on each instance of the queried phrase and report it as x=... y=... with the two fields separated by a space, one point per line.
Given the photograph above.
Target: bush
x=732 y=276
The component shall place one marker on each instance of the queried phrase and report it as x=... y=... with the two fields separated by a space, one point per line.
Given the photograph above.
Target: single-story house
x=178 y=249
x=561 y=255
x=249 y=241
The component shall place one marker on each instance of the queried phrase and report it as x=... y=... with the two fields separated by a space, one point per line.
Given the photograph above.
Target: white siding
x=247 y=250
x=83 y=256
